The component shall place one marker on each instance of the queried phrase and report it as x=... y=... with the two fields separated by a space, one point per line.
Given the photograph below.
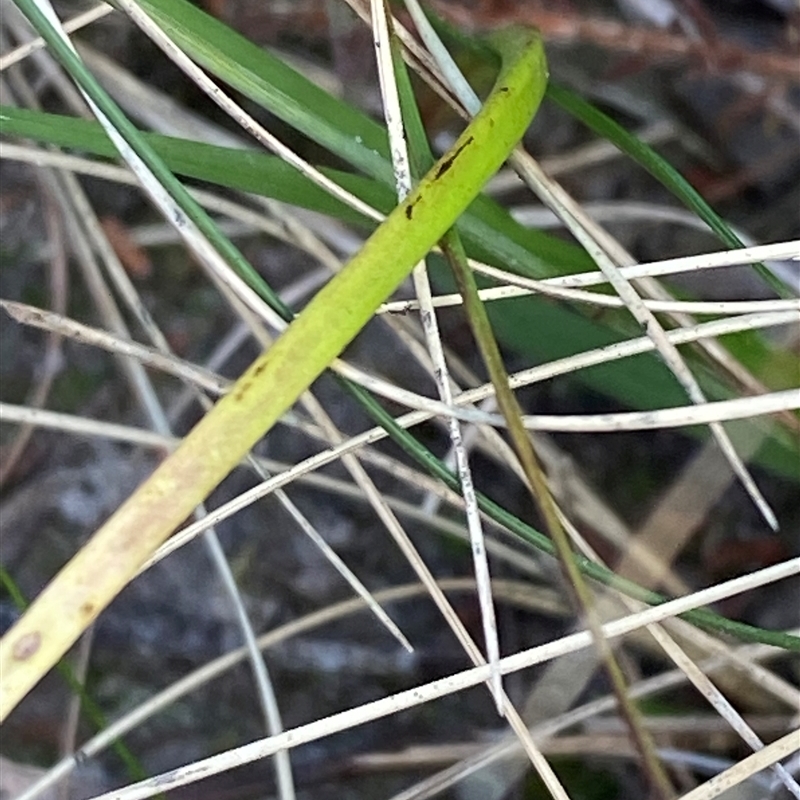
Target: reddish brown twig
x=721 y=55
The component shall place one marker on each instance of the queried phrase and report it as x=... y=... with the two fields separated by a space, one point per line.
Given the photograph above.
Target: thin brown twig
x=721 y=55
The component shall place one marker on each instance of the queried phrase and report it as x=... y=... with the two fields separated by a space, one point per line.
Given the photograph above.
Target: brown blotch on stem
x=242 y=391
x=25 y=647
x=445 y=165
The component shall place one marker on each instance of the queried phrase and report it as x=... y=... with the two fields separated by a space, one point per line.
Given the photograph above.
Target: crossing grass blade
x=658 y=167
x=509 y=248
x=489 y=233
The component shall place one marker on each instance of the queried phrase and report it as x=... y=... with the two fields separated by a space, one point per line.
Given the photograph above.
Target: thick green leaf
x=246 y=170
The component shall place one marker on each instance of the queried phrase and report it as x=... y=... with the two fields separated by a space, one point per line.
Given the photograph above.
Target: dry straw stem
x=387 y=52
x=70 y=26
x=453 y=683
x=238 y=114
x=148 y=356
x=741 y=771
x=518 y=286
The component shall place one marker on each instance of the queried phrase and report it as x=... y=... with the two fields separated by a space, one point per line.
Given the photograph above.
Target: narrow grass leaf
x=659 y=168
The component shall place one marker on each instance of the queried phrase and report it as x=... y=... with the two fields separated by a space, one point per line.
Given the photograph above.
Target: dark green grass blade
x=658 y=167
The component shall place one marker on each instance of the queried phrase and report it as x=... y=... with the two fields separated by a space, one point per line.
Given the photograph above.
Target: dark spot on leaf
x=444 y=166
x=26 y=646
x=447 y=163
x=241 y=391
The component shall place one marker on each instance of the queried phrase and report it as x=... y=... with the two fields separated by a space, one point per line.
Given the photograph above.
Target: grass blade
x=659 y=168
